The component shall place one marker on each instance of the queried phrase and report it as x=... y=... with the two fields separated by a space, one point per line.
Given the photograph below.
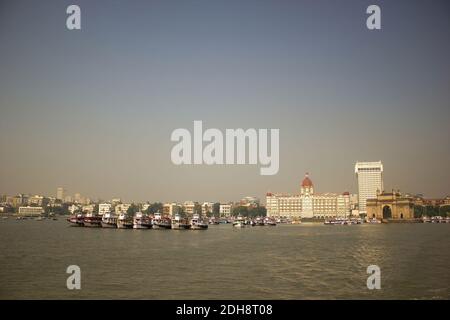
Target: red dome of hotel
x=307 y=181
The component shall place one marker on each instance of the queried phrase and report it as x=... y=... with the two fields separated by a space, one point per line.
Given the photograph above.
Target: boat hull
x=238 y=225
x=142 y=226
x=180 y=226
x=162 y=226
x=111 y=225
x=93 y=224
x=199 y=227
x=124 y=225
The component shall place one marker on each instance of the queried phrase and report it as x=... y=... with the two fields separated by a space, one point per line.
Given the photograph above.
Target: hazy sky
x=93 y=110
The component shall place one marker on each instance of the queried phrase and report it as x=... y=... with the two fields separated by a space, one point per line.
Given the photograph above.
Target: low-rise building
x=122 y=208
x=207 y=207
x=104 y=208
x=225 y=210
x=171 y=209
x=189 y=207
x=30 y=211
x=88 y=208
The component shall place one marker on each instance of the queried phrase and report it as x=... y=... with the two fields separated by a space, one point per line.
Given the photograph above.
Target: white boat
x=269 y=222
x=259 y=222
x=141 y=221
x=339 y=221
x=197 y=223
x=179 y=223
x=109 y=220
x=92 y=220
x=373 y=221
x=76 y=220
x=124 y=222
x=239 y=222
x=159 y=222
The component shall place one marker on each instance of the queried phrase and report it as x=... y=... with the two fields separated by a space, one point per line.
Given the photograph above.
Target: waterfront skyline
x=92 y=111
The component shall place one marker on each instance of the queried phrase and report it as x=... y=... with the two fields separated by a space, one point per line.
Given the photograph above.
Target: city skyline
x=92 y=110
x=368 y=188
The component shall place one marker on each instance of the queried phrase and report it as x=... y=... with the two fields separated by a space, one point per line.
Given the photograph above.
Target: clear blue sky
x=93 y=110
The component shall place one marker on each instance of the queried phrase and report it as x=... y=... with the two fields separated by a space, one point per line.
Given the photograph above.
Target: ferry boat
x=76 y=220
x=92 y=220
x=141 y=221
x=124 y=222
x=213 y=220
x=439 y=219
x=239 y=222
x=373 y=221
x=259 y=222
x=109 y=220
x=197 y=223
x=269 y=222
x=159 y=222
x=179 y=223
x=338 y=221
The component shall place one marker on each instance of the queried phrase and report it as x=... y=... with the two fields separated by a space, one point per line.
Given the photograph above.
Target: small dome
x=307 y=181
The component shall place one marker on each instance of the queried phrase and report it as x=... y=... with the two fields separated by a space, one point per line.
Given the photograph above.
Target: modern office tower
x=60 y=193
x=77 y=198
x=370 y=181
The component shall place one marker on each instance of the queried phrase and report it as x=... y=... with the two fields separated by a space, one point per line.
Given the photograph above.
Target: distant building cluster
x=371 y=201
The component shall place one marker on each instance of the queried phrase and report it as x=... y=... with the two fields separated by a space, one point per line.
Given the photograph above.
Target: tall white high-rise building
x=60 y=193
x=370 y=181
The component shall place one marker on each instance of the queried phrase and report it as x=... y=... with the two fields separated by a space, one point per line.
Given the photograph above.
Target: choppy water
x=283 y=262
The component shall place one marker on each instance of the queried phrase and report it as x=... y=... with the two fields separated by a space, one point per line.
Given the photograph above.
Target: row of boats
x=157 y=221
x=350 y=221
x=437 y=219
x=241 y=222
x=138 y=221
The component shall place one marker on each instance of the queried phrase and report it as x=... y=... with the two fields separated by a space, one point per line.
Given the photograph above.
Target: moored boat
x=259 y=222
x=179 y=223
x=124 y=222
x=213 y=220
x=197 y=223
x=373 y=221
x=109 y=220
x=239 y=222
x=269 y=222
x=141 y=221
x=92 y=220
x=159 y=222
x=76 y=220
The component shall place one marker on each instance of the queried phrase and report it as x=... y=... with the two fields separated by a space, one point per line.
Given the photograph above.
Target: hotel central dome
x=307 y=183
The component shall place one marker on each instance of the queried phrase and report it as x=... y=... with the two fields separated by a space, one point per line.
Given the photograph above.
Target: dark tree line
x=431 y=211
x=250 y=212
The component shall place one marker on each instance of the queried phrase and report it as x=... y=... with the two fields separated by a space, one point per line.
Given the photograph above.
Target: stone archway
x=387 y=212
